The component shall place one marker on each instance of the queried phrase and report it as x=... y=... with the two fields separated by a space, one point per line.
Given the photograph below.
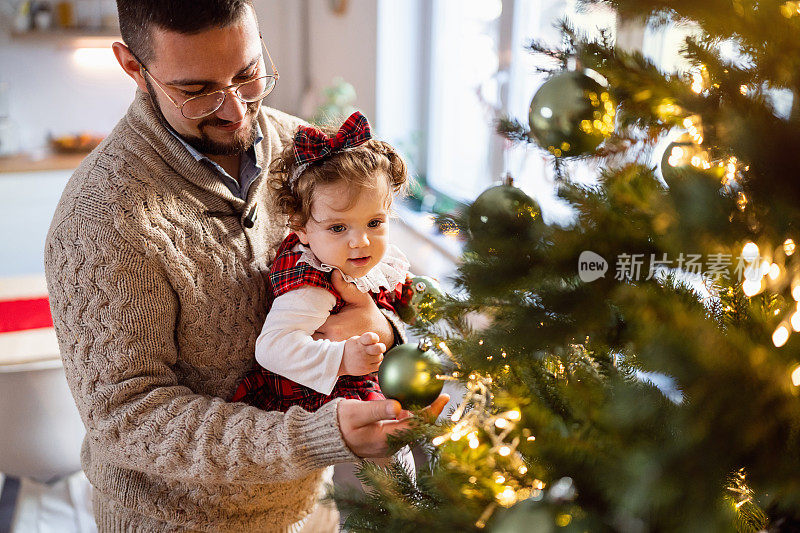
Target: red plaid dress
x=272 y=392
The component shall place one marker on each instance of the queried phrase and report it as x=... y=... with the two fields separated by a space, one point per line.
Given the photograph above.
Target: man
x=155 y=262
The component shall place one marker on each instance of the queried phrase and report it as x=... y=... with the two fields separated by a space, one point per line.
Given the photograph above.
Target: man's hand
x=357 y=317
x=366 y=425
x=362 y=355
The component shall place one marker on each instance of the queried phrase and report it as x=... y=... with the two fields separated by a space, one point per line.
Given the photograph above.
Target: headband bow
x=311 y=144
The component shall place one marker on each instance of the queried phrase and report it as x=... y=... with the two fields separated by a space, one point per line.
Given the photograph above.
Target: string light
x=741 y=201
x=795 y=320
x=507 y=498
x=744 y=494
x=780 y=335
x=750 y=252
x=473 y=417
x=796 y=376
x=774 y=271
x=790 y=9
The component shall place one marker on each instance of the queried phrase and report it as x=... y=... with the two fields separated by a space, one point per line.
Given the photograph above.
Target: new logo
x=591 y=266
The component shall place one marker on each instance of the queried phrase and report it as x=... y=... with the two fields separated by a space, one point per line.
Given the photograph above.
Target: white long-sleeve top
x=285 y=346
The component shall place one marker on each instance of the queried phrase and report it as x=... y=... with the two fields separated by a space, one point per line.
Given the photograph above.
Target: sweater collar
x=145 y=121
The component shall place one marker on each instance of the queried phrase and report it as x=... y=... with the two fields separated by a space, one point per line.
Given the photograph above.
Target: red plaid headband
x=311 y=144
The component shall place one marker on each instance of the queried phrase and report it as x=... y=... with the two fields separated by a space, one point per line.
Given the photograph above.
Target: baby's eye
x=375 y=223
x=337 y=228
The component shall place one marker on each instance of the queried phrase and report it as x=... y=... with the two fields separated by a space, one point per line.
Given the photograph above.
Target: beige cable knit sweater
x=157 y=306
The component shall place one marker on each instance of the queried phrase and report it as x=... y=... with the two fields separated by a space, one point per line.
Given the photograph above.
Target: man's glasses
x=205 y=104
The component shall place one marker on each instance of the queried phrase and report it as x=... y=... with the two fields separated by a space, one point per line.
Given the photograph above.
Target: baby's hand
x=362 y=355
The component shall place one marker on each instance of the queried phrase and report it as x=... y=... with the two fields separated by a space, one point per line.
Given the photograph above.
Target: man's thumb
x=381 y=410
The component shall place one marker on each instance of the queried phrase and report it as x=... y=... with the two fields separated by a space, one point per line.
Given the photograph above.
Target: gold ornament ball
x=408 y=375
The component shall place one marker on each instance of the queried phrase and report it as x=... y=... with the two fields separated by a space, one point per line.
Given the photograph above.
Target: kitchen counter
x=40 y=162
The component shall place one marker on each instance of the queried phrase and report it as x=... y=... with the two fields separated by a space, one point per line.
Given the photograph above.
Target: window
x=480 y=67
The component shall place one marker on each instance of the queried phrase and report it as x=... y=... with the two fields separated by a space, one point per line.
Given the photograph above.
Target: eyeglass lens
x=206 y=104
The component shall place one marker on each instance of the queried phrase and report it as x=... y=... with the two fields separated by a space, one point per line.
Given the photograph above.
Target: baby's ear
x=301 y=234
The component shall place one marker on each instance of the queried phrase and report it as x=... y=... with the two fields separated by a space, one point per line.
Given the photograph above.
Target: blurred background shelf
x=40 y=162
x=64 y=33
x=67 y=37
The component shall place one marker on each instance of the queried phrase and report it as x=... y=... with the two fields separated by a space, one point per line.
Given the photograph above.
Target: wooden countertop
x=40 y=162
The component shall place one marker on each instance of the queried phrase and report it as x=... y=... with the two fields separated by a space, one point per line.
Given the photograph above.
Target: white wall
x=50 y=91
x=340 y=45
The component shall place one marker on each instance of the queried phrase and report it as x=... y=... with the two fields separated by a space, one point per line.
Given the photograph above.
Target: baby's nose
x=359 y=241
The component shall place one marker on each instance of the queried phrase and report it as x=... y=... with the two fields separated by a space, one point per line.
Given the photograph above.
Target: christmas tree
x=635 y=369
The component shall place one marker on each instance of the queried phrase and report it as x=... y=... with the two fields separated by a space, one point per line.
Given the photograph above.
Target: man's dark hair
x=138 y=17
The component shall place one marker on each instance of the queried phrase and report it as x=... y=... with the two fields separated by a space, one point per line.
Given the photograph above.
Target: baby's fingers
x=375 y=349
x=369 y=338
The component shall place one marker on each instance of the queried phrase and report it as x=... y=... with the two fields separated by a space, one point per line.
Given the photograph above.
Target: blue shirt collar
x=248 y=166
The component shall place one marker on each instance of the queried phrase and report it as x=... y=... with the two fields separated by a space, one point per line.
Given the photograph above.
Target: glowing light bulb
x=796 y=292
x=750 y=252
x=507 y=498
x=796 y=376
x=523 y=469
x=751 y=287
x=788 y=246
x=438 y=440
x=774 y=271
x=763 y=268
x=795 y=320
x=513 y=415
x=504 y=451
x=474 y=443
x=501 y=423
x=780 y=336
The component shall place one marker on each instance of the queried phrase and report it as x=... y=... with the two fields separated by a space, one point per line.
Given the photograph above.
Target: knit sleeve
x=114 y=314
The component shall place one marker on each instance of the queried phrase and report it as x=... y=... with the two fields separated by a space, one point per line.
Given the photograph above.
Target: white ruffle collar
x=391 y=270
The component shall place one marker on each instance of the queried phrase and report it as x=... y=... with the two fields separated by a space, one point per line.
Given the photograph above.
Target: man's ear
x=129 y=64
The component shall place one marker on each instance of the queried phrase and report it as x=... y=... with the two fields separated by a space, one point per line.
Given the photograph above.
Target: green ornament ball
x=408 y=375
x=502 y=212
x=571 y=114
x=425 y=294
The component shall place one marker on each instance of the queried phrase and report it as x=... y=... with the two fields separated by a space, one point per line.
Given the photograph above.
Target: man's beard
x=241 y=142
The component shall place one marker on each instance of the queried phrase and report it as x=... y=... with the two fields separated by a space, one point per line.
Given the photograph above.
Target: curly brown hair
x=357 y=167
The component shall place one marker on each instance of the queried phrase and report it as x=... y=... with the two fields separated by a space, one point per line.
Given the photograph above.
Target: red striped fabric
x=19 y=315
